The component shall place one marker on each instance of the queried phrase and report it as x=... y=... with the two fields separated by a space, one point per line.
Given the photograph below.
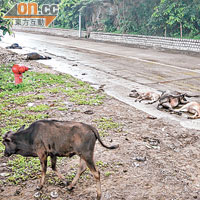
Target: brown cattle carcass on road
x=57 y=138
x=141 y=96
x=193 y=108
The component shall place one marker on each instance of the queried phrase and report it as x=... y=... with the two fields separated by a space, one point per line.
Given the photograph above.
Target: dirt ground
x=156 y=159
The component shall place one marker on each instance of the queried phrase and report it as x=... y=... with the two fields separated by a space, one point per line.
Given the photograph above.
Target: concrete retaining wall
x=138 y=40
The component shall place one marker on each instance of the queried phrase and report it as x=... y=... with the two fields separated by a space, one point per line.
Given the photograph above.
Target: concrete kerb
x=141 y=41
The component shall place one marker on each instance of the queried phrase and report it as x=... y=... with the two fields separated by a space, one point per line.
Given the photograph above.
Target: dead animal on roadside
x=36 y=56
x=140 y=96
x=191 y=107
x=57 y=139
x=170 y=100
x=14 y=46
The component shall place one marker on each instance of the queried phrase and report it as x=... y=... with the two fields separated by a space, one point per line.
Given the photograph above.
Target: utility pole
x=79 y=25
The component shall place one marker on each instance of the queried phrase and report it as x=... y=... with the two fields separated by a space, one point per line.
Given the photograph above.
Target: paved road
x=120 y=68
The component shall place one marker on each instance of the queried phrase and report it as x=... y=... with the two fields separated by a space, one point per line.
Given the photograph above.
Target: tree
x=5 y=24
x=178 y=16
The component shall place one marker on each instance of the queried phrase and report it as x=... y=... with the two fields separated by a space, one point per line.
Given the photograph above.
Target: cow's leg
x=54 y=168
x=195 y=116
x=81 y=169
x=142 y=99
x=169 y=108
x=153 y=100
x=167 y=105
x=138 y=98
x=96 y=174
x=43 y=162
x=159 y=106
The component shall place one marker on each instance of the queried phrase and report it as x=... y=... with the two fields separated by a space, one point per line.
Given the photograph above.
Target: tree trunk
x=165 y=31
x=181 y=29
x=123 y=10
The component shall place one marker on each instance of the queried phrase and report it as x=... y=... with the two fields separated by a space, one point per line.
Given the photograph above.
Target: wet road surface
x=120 y=68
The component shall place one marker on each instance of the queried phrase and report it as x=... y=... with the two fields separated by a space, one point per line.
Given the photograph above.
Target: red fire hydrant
x=18 y=70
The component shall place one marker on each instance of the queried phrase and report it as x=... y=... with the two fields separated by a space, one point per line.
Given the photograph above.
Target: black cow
x=36 y=56
x=14 y=46
x=57 y=138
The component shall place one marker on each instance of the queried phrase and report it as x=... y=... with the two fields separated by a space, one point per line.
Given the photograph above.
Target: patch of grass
x=107 y=174
x=23 y=168
x=82 y=99
x=85 y=95
x=56 y=90
x=71 y=175
x=69 y=85
x=101 y=164
x=105 y=125
x=20 y=100
x=39 y=108
x=30 y=117
x=62 y=108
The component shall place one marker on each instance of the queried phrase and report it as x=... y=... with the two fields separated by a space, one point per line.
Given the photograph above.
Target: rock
x=141 y=159
x=152 y=141
x=88 y=112
x=30 y=104
x=4 y=174
x=136 y=164
x=17 y=192
x=68 y=104
x=54 y=194
x=101 y=88
x=151 y=117
x=37 y=195
x=3 y=165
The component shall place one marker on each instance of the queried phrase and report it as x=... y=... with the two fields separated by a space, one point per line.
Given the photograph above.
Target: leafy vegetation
x=179 y=18
x=158 y=17
x=5 y=24
x=105 y=124
x=176 y=18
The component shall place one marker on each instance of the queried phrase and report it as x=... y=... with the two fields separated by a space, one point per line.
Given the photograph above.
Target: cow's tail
x=187 y=95
x=96 y=133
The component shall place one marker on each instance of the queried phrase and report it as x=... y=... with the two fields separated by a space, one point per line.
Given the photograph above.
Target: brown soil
x=157 y=159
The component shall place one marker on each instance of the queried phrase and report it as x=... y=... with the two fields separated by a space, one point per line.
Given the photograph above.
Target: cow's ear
x=7 y=140
x=21 y=129
x=6 y=134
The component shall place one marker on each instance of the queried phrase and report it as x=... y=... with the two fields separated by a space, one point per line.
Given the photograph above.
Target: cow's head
x=9 y=142
x=134 y=93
